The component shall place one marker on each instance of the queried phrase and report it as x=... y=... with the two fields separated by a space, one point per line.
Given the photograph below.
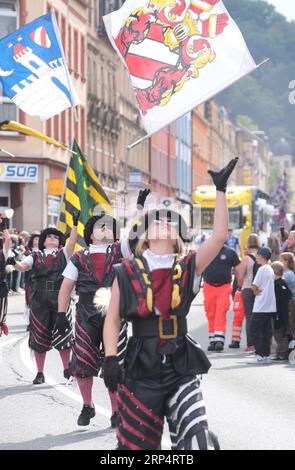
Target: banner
x=33 y=69
x=83 y=192
x=178 y=53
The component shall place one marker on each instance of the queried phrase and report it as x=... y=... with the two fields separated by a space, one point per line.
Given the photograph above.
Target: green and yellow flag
x=83 y=192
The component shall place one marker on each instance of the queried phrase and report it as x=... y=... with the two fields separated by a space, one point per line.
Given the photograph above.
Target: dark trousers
x=261 y=330
x=248 y=301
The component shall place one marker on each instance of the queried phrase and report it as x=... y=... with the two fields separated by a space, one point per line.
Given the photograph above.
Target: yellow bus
x=249 y=210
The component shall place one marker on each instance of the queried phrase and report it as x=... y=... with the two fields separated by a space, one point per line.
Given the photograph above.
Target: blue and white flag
x=33 y=69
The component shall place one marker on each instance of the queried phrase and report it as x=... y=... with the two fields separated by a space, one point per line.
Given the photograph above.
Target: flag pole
x=7 y=153
x=56 y=29
x=65 y=182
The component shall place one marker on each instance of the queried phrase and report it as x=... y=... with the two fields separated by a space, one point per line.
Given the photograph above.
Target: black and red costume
x=95 y=271
x=3 y=292
x=47 y=269
x=163 y=363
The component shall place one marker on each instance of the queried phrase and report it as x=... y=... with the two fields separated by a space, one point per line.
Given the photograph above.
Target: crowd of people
x=148 y=279
x=263 y=294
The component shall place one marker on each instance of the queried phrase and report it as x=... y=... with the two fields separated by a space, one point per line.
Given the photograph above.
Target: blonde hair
x=278 y=268
x=253 y=241
x=290 y=260
x=143 y=245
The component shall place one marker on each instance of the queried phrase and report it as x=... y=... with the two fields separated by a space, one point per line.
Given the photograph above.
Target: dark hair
x=51 y=231
x=88 y=230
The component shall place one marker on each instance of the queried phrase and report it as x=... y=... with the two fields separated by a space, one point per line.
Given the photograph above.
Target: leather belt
x=49 y=286
x=158 y=326
x=86 y=298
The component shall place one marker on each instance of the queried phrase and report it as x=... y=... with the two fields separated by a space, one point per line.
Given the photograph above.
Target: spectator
x=273 y=244
x=248 y=272
x=289 y=246
x=233 y=241
x=264 y=307
x=281 y=320
x=217 y=292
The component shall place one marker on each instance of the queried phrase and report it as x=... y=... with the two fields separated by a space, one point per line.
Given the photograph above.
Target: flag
x=33 y=70
x=83 y=193
x=17 y=127
x=178 y=53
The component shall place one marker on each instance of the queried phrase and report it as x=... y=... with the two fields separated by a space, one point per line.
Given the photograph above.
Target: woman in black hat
x=47 y=266
x=91 y=272
x=32 y=246
x=163 y=364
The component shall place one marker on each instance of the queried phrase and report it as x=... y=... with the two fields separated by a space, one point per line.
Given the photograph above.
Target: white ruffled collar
x=159 y=261
x=98 y=248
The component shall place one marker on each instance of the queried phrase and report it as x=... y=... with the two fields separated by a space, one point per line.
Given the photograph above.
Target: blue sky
x=286 y=7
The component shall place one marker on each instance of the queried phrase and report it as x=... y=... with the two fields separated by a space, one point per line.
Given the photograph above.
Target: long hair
x=290 y=260
x=253 y=241
x=143 y=244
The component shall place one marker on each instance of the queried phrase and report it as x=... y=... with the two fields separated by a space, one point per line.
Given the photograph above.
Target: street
x=249 y=407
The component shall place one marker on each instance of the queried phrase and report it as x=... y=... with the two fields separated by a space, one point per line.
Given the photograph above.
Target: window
x=8 y=24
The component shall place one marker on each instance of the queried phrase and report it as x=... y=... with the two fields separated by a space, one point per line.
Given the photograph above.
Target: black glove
x=11 y=261
x=62 y=324
x=221 y=177
x=111 y=373
x=142 y=195
x=76 y=216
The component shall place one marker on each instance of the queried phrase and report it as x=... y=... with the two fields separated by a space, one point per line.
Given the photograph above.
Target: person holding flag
x=154 y=291
x=47 y=266
x=91 y=272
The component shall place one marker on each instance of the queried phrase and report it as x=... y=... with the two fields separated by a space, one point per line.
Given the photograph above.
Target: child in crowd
x=264 y=307
x=280 y=324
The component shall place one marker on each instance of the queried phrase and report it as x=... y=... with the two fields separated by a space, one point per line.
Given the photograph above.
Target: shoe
x=257 y=360
x=4 y=329
x=249 y=349
x=39 y=379
x=278 y=359
x=211 y=346
x=87 y=413
x=234 y=345
x=115 y=420
x=28 y=328
x=219 y=346
x=67 y=373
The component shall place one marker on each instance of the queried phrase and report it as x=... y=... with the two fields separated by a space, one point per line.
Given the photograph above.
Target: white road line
x=29 y=364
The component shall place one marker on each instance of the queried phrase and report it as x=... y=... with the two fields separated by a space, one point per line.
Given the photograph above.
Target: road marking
x=26 y=359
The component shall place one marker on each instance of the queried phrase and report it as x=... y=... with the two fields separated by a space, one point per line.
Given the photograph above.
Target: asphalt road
x=248 y=407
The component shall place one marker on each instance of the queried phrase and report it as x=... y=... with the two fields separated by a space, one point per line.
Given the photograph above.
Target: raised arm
x=70 y=246
x=132 y=235
x=210 y=248
x=7 y=242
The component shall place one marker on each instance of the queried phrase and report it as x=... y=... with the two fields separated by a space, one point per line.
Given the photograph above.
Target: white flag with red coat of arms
x=178 y=53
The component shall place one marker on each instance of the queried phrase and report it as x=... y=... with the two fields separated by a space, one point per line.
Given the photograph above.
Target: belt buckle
x=175 y=327
x=50 y=284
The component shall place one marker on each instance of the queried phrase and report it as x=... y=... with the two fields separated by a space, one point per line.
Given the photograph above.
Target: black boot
x=211 y=346
x=114 y=420
x=234 y=345
x=67 y=373
x=87 y=413
x=219 y=346
x=39 y=379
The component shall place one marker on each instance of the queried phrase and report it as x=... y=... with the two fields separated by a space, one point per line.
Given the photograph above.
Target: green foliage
x=264 y=95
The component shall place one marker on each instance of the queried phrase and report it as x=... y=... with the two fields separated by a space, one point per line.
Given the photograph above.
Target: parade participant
x=32 y=246
x=239 y=314
x=90 y=271
x=217 y=292
x=4 y=251
x=154 y=291
x=47 y=266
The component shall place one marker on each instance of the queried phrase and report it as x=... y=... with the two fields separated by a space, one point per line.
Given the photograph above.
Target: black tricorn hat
x=145 y=221
x=51 y=231
x=88 y=230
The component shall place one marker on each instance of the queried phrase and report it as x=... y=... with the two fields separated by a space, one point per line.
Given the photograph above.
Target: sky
x=286 y=7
